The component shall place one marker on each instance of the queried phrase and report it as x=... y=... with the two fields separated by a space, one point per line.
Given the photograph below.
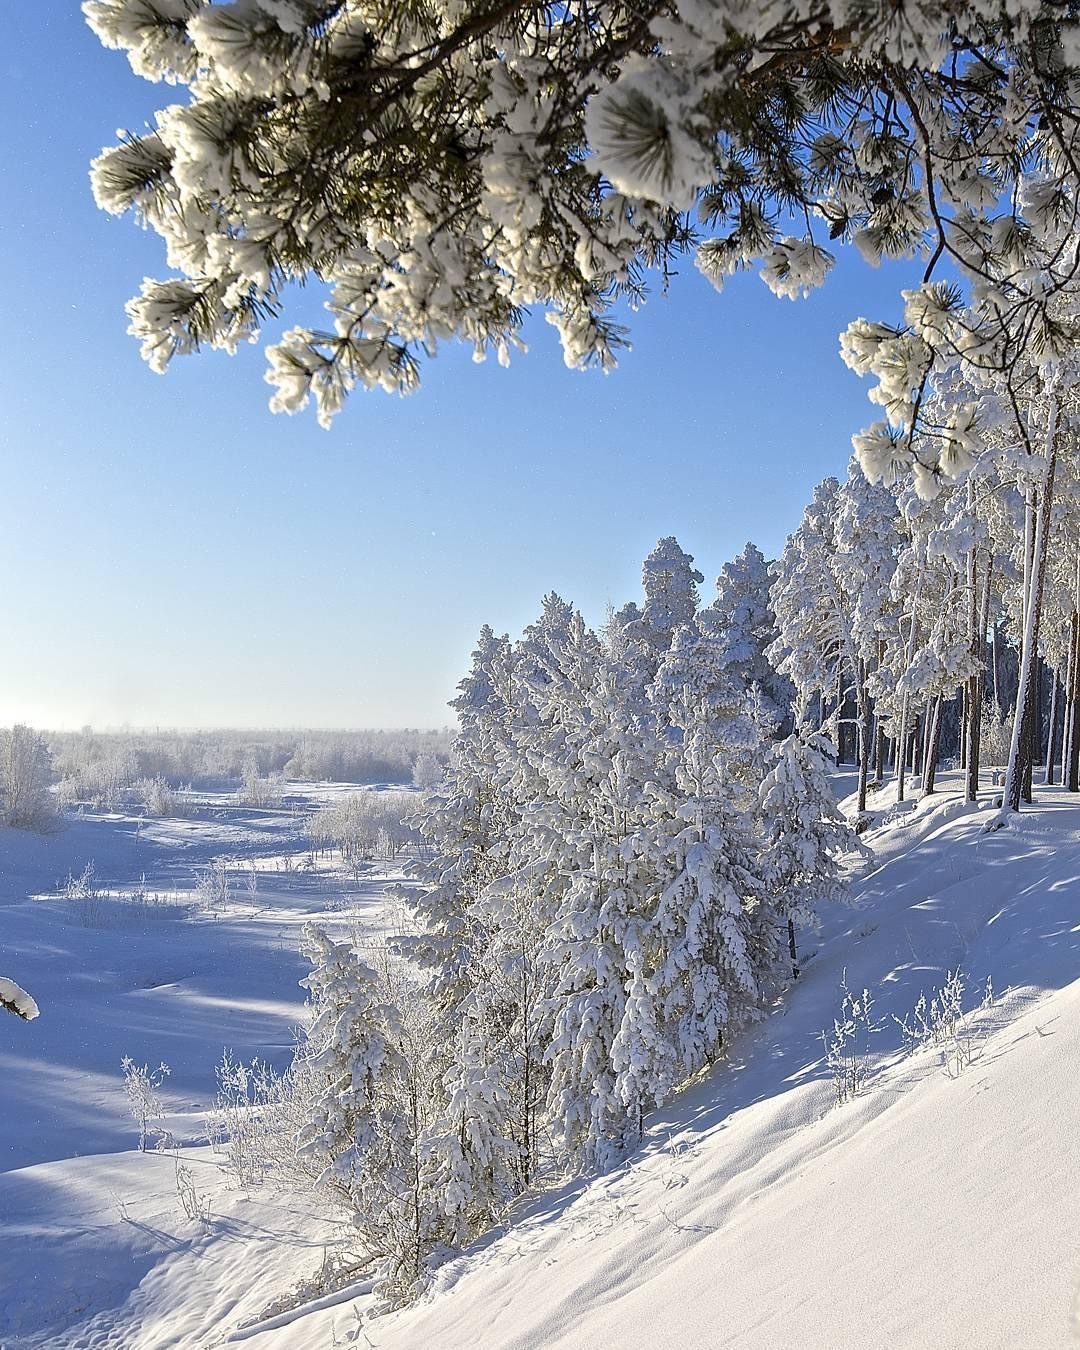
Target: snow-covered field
x=938 y=1208
x=90 y=1225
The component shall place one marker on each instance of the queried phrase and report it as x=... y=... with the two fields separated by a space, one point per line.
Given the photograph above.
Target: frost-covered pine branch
x=15 y=999
x=439 y=167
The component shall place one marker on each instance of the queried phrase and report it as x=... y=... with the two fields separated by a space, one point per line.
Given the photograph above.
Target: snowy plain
x=938 y=1208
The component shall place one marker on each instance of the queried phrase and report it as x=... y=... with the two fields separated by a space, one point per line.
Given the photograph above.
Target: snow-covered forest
x=714 y=978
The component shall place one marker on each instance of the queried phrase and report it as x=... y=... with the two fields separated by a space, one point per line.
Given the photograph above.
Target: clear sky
x=175 y=555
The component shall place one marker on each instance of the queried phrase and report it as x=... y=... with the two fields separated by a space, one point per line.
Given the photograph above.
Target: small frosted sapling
x=141 y=1085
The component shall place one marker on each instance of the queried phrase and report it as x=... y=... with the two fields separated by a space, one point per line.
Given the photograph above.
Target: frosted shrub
x=89 y=899
x=428 y=771
x=158 y=799
x=256 y=1119
x=141 y=1085
x=234 y=1125
x=847 y=1046
x=257 y=791
x=192 y=1203
x=212 y=887
x=996 y=737
x=942 y=1022
x=25 y=770
x=364 y=825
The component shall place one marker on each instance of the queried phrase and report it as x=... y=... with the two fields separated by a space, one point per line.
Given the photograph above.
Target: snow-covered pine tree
x=351 y=1045
x=470 y=1158
x=466 y=823
x=745 y=618
x=670 y=582
x=589 y=749
x=373 y=1055
x=805 y=835
x=710 y=937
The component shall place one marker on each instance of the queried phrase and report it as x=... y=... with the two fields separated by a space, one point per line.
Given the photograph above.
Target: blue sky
x=177 y=556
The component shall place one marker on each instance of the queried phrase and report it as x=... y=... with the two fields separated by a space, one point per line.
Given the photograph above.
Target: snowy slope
x=931 y=1211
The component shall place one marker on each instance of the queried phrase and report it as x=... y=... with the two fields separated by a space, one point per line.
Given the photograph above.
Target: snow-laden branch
x=15 y=999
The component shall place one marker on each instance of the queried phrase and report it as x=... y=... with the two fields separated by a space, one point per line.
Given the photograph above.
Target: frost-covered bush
x=257 y=1117
x=193 y=1205
x=237 y=1125
x=847 y=1045
x=213 y=886
x=941 y=1021
x=428 y=771
x=89 y=898
x=996 y=736
x=99 y=906
x=158 y=799
x=364 y=825
x=141 y=1085
x=25 y=774
x=258 y=790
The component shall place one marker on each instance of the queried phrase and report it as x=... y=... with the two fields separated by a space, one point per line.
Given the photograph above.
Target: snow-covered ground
x=91 y=1226
x=936 y=1209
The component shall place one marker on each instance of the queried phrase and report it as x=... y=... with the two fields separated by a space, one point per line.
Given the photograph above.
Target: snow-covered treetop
x=670 y=582
x=439 y=166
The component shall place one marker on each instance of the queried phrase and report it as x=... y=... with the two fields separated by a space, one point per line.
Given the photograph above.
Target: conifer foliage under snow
x=605 y=901
x=15 y=999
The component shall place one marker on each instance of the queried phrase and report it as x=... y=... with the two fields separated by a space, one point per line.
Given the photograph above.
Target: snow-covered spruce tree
x=670 y=582
x=372 y=1055
x=440 y=166
x=805 y=835
x=744 y=615
x=711 y=940
x=817 y=592
x=465 y=821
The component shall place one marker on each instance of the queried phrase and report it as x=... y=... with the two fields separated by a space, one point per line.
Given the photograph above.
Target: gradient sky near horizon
x=175 y=555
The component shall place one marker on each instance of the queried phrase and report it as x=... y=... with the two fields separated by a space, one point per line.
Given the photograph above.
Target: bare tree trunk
x=1051 y=737
x=1070 y=758
x=902 y=734
x=973 y=700
x=997 y=667
x=1025 y=694
x=933 y=742
x=964 y=692
x=864 y=732
x=1034 y=746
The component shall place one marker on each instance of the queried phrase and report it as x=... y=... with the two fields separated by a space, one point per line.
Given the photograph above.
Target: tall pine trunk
x=1025 y=695
x=932 y=745
x=1051 y=736
x=1070 y=757
x=864 y=732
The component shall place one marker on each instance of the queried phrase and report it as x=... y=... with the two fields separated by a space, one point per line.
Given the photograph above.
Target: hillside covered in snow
x=937 y=1206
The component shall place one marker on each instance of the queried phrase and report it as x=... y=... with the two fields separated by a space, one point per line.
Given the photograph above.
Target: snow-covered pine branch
x=15 y=999
x=552 y=158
